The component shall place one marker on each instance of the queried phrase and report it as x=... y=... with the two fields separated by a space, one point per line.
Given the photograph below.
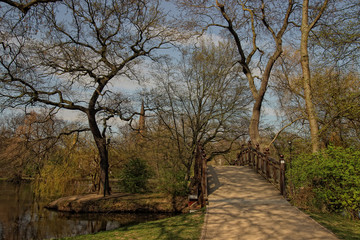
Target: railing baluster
x=282 y=176
x=267 y=171
x=249 y=153
x=257 y=157
x=263 y=163
x=242 y=160
x=275 y=168
x=271 y=169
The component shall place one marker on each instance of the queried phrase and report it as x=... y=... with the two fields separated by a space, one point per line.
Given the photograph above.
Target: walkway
x=242 y=205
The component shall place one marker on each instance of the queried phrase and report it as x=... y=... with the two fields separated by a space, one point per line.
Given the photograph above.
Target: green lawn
x=341 y=226
x=185 y=226
x=188 y=226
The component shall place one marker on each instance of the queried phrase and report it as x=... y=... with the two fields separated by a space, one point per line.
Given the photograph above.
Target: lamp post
x=290 y=151
x=291 y=172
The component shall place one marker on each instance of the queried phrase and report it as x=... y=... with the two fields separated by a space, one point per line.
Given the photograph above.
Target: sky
x=131 y=87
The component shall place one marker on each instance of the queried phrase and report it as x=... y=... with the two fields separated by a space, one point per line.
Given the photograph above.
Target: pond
x=21 y=217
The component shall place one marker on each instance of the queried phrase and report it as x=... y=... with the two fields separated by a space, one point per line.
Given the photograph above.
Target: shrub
x=329 y=180
x=134 y=176
x=173 y=182
x=58 y=179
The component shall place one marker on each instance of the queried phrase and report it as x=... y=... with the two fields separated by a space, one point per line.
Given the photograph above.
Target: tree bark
x=310 y=109
x=305 y=66
x=100 y=140
x=254 y=122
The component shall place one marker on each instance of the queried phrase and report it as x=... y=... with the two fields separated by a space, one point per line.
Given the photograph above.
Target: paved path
x=242 y=205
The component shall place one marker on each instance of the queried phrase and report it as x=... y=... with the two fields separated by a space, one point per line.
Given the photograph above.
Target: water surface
x=23 y=217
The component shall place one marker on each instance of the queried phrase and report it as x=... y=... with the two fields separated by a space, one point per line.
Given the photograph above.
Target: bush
x=173 y=182
x=327 y=180
x=134 y=176
x=58 y=179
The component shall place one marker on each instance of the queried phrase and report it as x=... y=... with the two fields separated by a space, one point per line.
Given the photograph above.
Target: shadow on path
x=213 y=180
x=242 y=205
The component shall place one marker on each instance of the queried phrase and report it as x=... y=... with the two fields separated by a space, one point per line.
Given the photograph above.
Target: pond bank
x=183 y=226
x=120 y=202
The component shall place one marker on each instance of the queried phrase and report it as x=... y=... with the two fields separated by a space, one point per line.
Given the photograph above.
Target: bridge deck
x=242 y=205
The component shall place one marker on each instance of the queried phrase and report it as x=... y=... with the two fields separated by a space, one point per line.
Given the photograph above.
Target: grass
x=342 y=227
x=185 y=226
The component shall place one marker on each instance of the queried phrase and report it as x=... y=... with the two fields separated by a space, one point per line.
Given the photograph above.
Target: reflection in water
x=23 y=218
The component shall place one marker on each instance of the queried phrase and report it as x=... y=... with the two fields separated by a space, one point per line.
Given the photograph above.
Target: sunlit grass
x=342 y=227
x=185 y=226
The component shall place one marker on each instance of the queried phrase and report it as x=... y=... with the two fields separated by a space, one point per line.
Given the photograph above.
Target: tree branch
x=282 y=129
x=24 y=8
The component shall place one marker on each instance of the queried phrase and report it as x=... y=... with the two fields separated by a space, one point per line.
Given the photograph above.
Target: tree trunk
x=104 y=187
x=245 y=61
x=310 y=109
x=305 y=66
x=254 y=122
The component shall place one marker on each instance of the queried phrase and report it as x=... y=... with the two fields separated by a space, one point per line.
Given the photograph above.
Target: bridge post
x=200 y=172
x=249 y=153
x=263 y=162
x=198 y=185
x=243 y=161
x=252 y=157
x=203 y=195
x=257 y=157
x=238 y=157
x=282 y=176
x=267 y=169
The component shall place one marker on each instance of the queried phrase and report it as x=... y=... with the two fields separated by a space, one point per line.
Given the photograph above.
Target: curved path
x=243 y=205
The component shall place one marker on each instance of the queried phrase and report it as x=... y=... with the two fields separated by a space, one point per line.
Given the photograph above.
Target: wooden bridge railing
x=271 y=169
x=198 y=186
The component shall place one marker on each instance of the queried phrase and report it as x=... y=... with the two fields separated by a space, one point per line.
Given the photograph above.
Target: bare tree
x=30 y=140
x=251 y=24
x=76 y=58
x=24 y=7
x=320 y=48
x=337 y=36
x=335 y=95
x=306 y=27
x=337 y=101
x=200 y=100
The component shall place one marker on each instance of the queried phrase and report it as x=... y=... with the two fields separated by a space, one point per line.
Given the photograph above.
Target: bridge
x=246 y=201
